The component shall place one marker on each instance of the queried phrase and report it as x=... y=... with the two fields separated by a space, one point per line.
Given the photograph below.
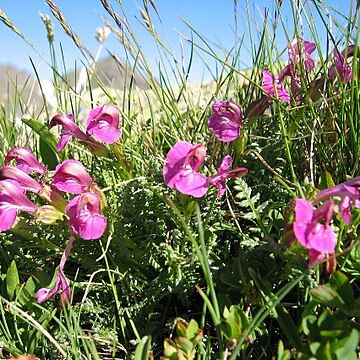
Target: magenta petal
x=103 y=131
x=270 y=83
x=104 y=123
x=44 y=294
x=85 y=218
x=11 y=193
x=71 y=176
x=177 y=154
x=25 y=160
x=7 y=217
x=345 y=209
x=315 y=257
x=303 y=216
x=225 y=121
x=64 y=139
x=175 y=161
x=322 y=238
x=25 y=180
x=93 y=228
x=62 y=284
x=193 y=184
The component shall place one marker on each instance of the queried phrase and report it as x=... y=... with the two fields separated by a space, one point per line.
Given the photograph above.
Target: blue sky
x=215 y=20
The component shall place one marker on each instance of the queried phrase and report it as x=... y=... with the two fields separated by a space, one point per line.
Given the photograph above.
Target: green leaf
x=325 y=295
x=48 y=155
x=181 y=327
x=142 y=351
x=12 y=280
x=326 y=181
x=233 y=325
x=348 y=350
x=185 y=345
x=170 y=350
x=341 y=284
x=41 y=129
x=193 y=331
x=282 y=316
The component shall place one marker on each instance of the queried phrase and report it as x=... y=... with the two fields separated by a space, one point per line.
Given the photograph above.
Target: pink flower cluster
x=184 y=160
x=83 y=211
x=181 y=171
x=312 y=225
x=103 y=123
x=300 y=55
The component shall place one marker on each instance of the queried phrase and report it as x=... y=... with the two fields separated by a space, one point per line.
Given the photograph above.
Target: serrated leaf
x=12 y=280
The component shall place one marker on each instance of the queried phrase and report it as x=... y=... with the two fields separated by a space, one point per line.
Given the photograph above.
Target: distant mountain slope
x=15 y=84
x=111 y=73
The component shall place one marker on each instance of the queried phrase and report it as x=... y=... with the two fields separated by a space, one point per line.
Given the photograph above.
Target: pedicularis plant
x=158 y=226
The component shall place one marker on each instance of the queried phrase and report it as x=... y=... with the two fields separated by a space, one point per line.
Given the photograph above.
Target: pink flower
x=68 y=130
x=181 y=169
x=312 y=229
x=24 y=180
x=307 y=48
x=61 y=283
x=290 y=70
x=223 y=173
x=71 y=176
x=85 y=217
x=341 y=68
x=12 y=199
x=225 y=120
x=104 y=124
x=25 y=160
x=349 y=194
x=272 y=86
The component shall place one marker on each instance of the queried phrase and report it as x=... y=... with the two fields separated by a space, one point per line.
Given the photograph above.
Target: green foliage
x=228 y=265
x=183 y=347
x=333 y=333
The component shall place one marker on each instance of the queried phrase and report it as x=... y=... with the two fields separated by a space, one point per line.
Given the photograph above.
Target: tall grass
x=227 y=263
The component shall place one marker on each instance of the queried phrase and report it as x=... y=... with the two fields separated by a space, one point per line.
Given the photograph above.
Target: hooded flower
x=104 y=124
x=349 y=194
x=68 y=130
x=225 y=120
x=61 y=283
x=71 y=176
x=25 y=180
x=312 y=229
x=85 y=217
x=296 y=55
x=25 y=160
x=12 y=199
x=272 y=86
x=181 y=169
x=223 y=173
x=341 y=68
